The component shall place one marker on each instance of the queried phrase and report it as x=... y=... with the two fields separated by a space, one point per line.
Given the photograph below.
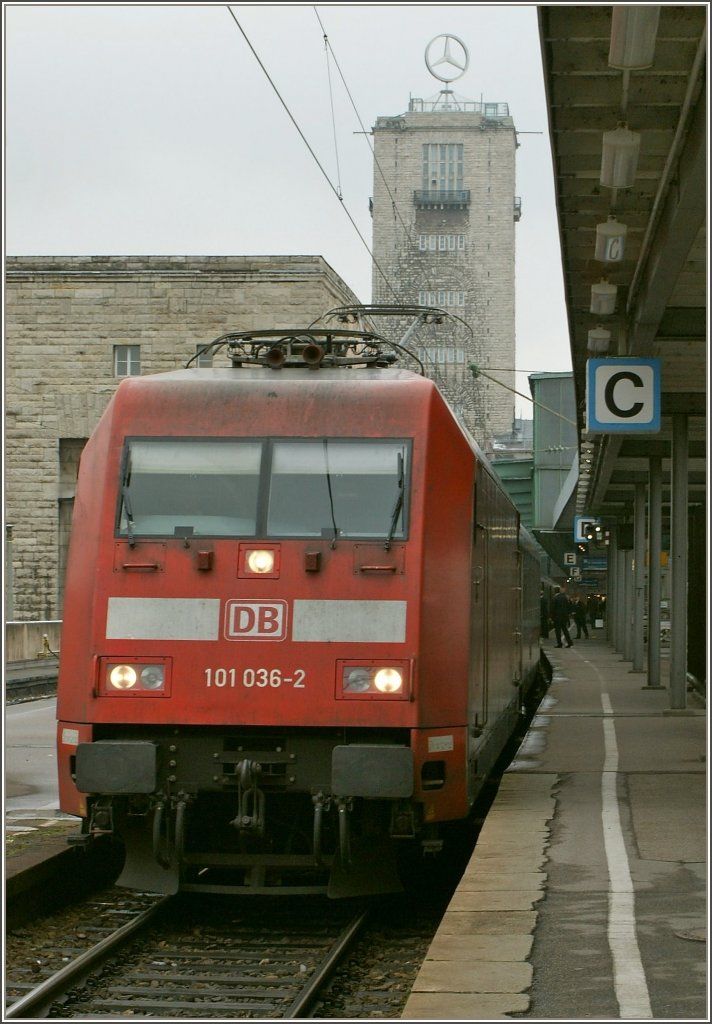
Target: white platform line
x=629 y=980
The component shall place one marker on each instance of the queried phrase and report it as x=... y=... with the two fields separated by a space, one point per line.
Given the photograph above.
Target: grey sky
x=151 y=129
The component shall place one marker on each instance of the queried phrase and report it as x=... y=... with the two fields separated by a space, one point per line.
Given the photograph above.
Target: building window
x=445 y=354
x=127 y=360
x=441 y=297
x=441 y=243
x=203 y=359
x=443 y=166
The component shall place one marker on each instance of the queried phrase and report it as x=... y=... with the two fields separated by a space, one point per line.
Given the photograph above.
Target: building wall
x=555 y=442
x=483 y=268
x=64 y=315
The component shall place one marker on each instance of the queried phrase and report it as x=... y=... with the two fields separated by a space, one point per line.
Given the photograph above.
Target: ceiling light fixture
x=599 y=340
x=633 y=33
x=619 y=159
x=603 y=298
x=610 y=240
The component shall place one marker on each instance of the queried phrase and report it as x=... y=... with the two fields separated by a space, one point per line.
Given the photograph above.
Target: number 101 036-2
x=260 y=677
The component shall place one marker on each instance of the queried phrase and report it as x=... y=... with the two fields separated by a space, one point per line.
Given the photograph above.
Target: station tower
x=444 y=211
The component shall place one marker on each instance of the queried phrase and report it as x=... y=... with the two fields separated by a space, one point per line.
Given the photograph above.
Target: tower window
x=441 y=297
x=443 y=166
x=441 y=243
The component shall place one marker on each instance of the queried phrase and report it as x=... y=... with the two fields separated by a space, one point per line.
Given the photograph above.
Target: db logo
x=256 y=620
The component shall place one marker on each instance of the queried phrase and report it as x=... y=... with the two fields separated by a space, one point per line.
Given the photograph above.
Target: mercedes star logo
x=444 y=45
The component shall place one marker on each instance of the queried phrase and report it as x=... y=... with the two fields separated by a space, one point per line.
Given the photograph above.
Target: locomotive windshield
x=270 y=488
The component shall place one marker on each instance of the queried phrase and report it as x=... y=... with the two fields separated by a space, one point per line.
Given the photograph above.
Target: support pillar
x=678 y=563
x=639 y=578
x=655 y=543
x=620 y=611
x=613 y=599
x=628 y=609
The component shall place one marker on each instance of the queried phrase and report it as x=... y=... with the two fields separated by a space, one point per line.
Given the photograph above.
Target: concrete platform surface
x=586 y=896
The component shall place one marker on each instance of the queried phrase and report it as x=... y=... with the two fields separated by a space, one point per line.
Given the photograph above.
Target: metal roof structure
x=661 y=281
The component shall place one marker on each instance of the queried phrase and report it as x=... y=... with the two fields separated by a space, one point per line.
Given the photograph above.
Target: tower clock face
x=446 y=58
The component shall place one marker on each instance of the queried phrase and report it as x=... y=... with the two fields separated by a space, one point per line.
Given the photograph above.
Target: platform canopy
x=661 y=282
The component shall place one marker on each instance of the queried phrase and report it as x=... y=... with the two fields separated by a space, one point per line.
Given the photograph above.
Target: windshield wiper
x=399 y=503
x=129 y=516
x=331 y=495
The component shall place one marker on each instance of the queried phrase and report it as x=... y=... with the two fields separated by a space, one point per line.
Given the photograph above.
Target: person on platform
x=560 y=612
x=545 y=622
x=580 y=612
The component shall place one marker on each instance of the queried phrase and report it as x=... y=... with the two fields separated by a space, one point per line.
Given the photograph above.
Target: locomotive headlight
x=260 y=561
x=373 y=681
x=123 y=677
x=388 y=680
x=357 y=680
x=147 y=677
x=152 y=677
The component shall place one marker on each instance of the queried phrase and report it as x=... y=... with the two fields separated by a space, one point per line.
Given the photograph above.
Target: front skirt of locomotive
x=298 y=811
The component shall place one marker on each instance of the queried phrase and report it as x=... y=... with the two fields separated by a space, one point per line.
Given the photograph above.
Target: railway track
x=30 y=680
x=190 y=958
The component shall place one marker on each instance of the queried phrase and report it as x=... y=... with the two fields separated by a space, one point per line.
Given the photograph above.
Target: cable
x=477 y=372
x=434 y=371
x=365 y=135
x=311 y=151
x=333 y=117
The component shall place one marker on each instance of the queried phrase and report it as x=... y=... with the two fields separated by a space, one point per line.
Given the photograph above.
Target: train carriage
x=301 y=620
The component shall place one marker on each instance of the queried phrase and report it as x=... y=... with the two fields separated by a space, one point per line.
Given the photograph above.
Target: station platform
x=586 y=896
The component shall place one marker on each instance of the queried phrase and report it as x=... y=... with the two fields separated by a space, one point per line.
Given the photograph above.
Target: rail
x=244 y=974
x=304 y=1001
x=37 y=1002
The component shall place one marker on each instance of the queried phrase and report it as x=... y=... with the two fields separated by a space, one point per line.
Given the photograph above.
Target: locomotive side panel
x=440 y=742
x=494 y=627
x=446 y=555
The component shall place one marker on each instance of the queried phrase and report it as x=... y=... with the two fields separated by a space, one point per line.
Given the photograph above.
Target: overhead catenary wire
x=311 y=151
x=333 y=116
x=479 y=372
x=394 y=205
x=365 y=133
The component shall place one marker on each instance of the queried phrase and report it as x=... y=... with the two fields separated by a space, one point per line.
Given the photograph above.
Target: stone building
x=444 y=212
x=74 y=327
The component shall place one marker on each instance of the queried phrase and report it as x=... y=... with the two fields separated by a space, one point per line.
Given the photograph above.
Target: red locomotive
x=301 y=620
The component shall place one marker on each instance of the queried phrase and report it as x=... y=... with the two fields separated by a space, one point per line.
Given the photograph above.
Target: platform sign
x=584 y=526
x=575 y=572
x=569 y=558
x=623 y=396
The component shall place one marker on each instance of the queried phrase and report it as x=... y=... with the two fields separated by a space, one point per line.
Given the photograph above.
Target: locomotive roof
x=266 y=374
x=170 y=398
x=232 y=380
